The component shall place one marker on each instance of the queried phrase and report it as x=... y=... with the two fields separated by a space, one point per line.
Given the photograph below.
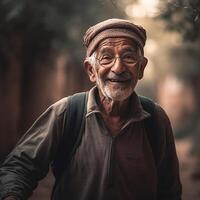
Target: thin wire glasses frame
x=128 y=59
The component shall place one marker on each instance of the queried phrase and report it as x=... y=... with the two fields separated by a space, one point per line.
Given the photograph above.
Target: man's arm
x=169 y=185
x=29 y=161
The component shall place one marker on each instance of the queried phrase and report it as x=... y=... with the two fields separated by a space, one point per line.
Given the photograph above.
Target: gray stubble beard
x=117 y=94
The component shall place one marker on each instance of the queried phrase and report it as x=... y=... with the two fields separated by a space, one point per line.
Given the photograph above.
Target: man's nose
x=118 y=66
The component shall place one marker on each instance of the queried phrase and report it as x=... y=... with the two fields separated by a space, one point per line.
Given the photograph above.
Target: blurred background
x=41 y=55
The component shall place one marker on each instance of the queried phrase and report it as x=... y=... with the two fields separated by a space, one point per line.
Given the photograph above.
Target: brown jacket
x=104 y=167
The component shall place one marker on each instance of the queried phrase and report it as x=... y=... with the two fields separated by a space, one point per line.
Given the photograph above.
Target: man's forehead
x=113 y=42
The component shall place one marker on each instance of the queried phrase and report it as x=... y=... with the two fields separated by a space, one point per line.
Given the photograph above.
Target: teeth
x=112 y=80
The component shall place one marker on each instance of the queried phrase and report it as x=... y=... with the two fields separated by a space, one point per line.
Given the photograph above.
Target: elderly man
x=123 y=148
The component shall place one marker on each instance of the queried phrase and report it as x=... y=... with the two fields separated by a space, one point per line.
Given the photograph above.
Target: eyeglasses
x=107 y=60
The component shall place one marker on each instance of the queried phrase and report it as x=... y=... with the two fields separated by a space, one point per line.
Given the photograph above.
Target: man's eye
x=129 y=58
x=106 y=58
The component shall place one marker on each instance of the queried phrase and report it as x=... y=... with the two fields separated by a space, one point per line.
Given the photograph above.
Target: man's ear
x=142 y=66
x=90 y=71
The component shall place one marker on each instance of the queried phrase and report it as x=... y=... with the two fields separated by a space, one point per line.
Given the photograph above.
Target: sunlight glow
x=151 y=47
x=143 y=8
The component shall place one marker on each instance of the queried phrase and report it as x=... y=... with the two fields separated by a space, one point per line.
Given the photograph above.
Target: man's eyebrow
x=130 y=48
x=105 y=49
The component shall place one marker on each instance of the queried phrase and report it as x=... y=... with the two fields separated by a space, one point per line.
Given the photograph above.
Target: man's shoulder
x=154 y=105
x=161 y=113
x=60 y=106
x=155 y=109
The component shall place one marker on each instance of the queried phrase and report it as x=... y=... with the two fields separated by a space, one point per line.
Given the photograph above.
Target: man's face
x=119 y=64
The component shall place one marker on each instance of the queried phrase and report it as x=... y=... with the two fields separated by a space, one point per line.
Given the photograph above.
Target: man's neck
x=115 y=113
x=113 y=108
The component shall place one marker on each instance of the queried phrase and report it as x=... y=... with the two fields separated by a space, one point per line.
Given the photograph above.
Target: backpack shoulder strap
x=74 y=121
x=153 y=134
x=147 y=104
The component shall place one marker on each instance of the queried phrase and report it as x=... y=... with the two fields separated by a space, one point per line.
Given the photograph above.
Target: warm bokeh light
x=143 y=8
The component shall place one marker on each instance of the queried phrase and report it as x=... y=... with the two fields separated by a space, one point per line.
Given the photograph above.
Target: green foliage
x=58 y=23
x=183 y=16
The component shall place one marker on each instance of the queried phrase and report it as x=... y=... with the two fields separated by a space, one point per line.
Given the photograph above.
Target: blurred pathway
x=191 y=187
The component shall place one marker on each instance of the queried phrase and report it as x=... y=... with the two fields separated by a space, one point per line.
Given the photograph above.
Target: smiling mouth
x=118 y=81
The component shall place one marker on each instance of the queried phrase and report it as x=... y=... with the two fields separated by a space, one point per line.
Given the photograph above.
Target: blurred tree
x=49 y=22
x=182 y=16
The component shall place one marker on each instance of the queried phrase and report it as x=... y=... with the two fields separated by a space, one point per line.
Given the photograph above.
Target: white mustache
x=119 y=77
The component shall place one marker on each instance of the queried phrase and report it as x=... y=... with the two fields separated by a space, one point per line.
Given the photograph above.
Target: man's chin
x=118 y=94
x=116 y=87
x=115 y=91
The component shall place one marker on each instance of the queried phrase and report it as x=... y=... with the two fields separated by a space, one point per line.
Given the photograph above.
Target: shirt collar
x=137 y=112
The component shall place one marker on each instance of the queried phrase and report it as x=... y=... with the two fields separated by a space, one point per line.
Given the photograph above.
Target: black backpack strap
x=74 y=121
x=153 y=134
